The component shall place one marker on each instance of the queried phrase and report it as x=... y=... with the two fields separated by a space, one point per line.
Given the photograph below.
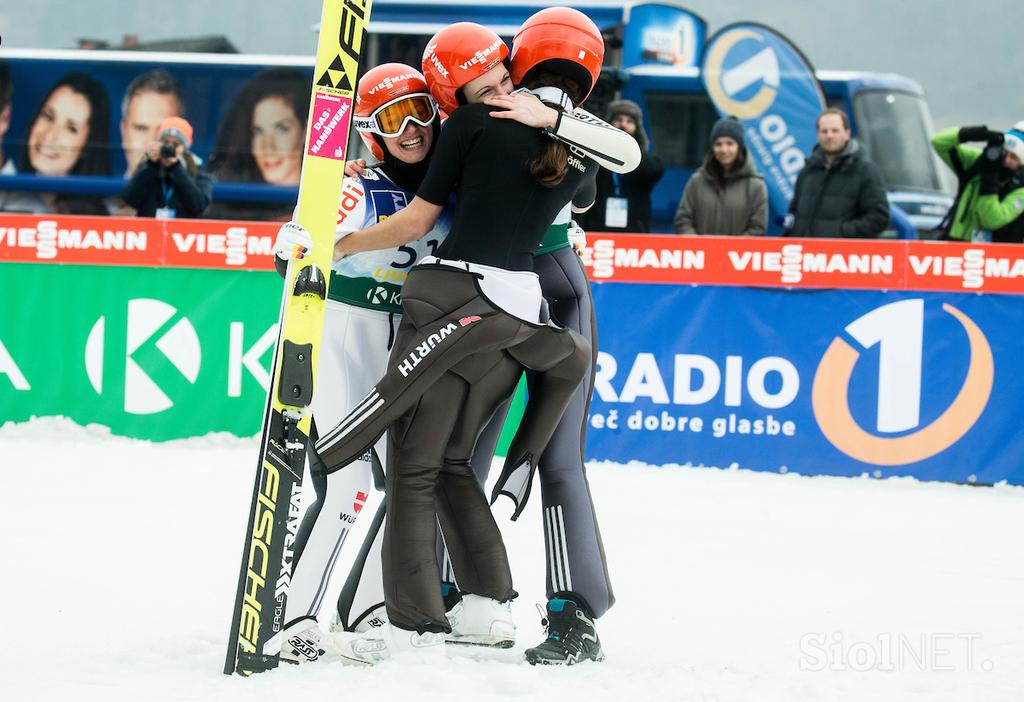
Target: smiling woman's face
x=277 y=141
x=58 y=135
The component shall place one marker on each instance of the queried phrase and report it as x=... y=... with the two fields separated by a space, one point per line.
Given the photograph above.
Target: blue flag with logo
x=756 y=75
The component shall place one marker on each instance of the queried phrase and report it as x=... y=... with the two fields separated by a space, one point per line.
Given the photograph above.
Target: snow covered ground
x=119 y=561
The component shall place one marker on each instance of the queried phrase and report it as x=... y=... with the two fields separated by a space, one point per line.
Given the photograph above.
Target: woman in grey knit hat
x=726 y=196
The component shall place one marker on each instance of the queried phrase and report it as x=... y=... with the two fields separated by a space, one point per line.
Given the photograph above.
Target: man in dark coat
x=839 y=192
x=624 y=201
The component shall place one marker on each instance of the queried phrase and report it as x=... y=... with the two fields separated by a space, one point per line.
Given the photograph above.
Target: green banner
x=151 y=353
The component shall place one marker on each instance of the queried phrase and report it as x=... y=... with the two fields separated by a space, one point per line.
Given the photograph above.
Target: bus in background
x=654 y=56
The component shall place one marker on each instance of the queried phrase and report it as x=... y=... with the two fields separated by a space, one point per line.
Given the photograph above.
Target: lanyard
x=615 y=180
x=168 y=192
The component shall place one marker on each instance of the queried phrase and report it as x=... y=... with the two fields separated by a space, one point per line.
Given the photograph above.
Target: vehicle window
x=397 y=48
x=895 y=130
x=680 y=126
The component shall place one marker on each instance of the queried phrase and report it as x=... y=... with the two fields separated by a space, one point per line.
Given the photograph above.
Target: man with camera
x=169 y=183
x=990 y=189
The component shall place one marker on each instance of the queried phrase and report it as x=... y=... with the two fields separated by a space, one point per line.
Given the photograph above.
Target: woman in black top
x=471 y=317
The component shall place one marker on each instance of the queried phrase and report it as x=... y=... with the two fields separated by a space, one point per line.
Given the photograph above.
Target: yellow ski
x=274 y=516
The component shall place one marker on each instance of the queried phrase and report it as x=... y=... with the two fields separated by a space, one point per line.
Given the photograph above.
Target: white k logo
x=179 y=344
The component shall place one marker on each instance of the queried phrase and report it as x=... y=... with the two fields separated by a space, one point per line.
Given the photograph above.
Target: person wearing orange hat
x=170 y=183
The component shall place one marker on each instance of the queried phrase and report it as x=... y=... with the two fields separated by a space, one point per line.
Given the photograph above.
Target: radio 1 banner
x=810 y=381
x=756 y=75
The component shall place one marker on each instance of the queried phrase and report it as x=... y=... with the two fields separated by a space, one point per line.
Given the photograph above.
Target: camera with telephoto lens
x=168 y=150
x=994 y=147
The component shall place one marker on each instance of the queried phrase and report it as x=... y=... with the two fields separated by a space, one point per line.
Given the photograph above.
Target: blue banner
x=229 y=101
x=661 y=34
x=756 y=75
x=834 y=382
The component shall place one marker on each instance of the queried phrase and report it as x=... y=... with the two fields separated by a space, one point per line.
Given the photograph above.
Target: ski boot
x=572 y=637
x=481 y=621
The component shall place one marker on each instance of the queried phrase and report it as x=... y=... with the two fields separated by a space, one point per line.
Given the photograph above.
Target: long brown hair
x=550 y=166
x=190 y=163
x=720 y=176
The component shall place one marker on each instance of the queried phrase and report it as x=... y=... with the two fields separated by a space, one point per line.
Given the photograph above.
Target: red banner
x=805 y=263
x=626 y=258
x=126 y=241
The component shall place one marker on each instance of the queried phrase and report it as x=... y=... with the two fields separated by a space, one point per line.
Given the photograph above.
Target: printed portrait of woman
x=260 y=138
x=69 y=134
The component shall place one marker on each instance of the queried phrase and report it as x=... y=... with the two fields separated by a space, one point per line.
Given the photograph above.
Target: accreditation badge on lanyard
x=166 y=212
x=616 y=209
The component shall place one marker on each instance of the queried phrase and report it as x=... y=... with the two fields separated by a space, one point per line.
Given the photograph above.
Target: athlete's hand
x=577 y=237
x=341 y=250
x=523 y=107
x=355 y=167
x=293 y=241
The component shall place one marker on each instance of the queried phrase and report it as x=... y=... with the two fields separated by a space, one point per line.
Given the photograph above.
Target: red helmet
x=389 y=97
x=564 y=36
x=456 y=55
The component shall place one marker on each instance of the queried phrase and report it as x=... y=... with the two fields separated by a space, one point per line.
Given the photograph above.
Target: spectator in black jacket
x=839 y=192
x=169 y=183
x=624 y=201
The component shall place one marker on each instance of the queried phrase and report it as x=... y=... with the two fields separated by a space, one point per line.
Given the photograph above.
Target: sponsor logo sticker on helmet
x=432 y=57
x=482 y=57
x=390 y=82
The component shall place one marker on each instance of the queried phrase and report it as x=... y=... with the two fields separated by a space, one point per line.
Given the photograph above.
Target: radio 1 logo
x=875 y=396
x=898 y=331
x=742 y=73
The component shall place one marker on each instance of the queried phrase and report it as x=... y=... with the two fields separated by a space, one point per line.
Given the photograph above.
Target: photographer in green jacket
x=990 y=192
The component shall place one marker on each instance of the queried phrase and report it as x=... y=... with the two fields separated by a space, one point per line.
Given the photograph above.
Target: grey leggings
x=574 y=553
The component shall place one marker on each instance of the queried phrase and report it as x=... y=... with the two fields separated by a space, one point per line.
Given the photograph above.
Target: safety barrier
x=810 y=356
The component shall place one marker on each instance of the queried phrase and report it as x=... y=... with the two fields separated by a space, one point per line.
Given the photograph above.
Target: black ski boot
x=572 y=637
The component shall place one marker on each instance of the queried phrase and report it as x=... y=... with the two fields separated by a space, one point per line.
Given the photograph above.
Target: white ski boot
x=481 y=621
x=374 y=619
x=302 y=641
x=387 y=642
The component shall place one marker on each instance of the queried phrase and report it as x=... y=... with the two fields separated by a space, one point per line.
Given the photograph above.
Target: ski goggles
x=391 y=118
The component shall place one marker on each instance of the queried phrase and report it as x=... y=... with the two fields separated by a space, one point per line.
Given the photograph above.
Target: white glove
x=577 y=237
x=293 y=241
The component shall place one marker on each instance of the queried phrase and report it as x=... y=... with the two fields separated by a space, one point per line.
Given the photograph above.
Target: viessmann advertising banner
x=813 y=356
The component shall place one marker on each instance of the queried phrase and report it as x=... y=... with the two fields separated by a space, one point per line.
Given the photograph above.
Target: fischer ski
x=274 y=516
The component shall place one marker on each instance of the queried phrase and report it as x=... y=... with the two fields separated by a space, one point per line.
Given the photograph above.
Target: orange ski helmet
x=388 y=97
x=564 y=39
x=456 y=55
